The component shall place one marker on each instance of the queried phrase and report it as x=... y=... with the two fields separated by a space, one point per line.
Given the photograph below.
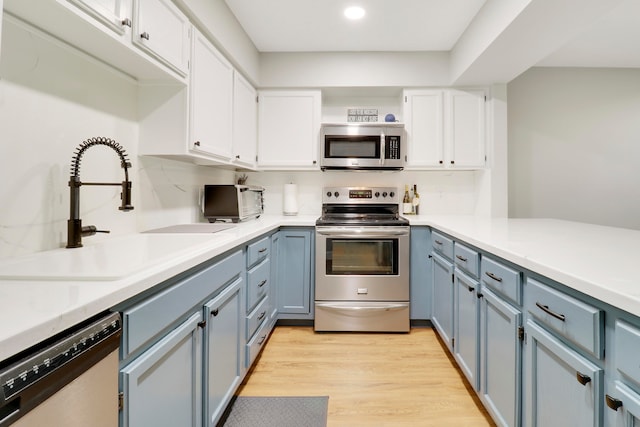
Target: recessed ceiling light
x=354 y=12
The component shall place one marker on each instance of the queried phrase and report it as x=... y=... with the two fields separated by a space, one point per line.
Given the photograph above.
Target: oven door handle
x=339 y=232
x=383 y=149
x=362 y=309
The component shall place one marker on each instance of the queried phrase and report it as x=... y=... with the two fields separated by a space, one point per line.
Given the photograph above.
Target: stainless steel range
x=362 y=261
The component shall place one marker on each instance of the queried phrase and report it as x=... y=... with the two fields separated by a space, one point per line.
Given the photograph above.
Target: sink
x=111 y=259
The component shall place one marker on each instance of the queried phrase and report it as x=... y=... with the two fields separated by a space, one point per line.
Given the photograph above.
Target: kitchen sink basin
x=111 y=259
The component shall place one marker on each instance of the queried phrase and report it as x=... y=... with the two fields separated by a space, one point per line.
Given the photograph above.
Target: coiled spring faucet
x=75 y=230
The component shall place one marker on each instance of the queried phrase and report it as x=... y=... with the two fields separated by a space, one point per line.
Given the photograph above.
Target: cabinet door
x=423 y=114
x=163 y=386
x=623 y=406
x=161 y=29
x=288 y=129
x=465 y=135
x=500 y=358
x=211 y=96
x=442 y=309
x=294 y=278
x=562 y=387
x=275 y=268
x=466 y=347
x=115 y=14
x=223 y=356
x=245 y=122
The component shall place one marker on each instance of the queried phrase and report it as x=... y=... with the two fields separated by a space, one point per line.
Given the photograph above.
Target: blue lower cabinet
x=223 y=350
x=500 y=358
x=442 y=299
x=163 y=386
x=623 y=406
x=295 y=274
x=562 y=387
x=466 y=348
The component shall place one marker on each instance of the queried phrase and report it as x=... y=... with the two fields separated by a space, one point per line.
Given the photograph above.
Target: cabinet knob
x=238 y=156
x=582 y=378
x=440 y=161
x=144 y=35
x=197 y=143
x=126 y=22
x=214 y=312
x=453 y=162
x=612 y=402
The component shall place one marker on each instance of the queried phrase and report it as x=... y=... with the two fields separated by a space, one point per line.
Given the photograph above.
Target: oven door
x=362 y=263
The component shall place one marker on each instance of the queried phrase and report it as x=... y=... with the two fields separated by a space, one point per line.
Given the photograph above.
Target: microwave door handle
x=382 y=148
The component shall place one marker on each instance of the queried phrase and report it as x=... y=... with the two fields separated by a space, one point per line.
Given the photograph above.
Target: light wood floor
x=371 y=379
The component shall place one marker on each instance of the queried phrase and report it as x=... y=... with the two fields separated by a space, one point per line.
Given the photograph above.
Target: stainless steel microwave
x=232 y=202
x=379 y=146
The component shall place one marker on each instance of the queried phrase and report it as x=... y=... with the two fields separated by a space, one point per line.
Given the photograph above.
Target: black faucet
x=75 y=230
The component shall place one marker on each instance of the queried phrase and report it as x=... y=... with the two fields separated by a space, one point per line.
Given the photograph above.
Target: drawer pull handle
x=461 y=258
x=126 y=22
x=612 y=402
x=550 y=312
x=438 y=242
x=493 y=276
x=471 y=289
x=261 y=284
x=145 y=36
x=261 y=316
x=261 y=340
x=262 y=250
x=479 y=295
x=214 y=312
x=202 y=324
x=582 y=378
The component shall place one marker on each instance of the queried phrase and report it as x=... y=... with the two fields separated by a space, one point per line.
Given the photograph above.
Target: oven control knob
x=392 y=194
x=328 y=193
x=384 y=194
x=377 y=194
x=336 y=194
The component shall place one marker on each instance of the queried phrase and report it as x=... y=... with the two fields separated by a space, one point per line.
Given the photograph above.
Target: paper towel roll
x=290 y=199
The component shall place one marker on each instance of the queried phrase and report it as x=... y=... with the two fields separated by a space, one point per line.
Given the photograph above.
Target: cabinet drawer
x=502 y=279
x=442 y=244
x=147 y=319
x=256 y=343
x=466 y=259
x=257 y=316
x=257 y=251
x=627 y=342
x=580 y=323
x=257 y=284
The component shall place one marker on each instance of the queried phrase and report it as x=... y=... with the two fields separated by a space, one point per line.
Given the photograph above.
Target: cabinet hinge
x=485 y=98
x=120 y=400
x=521 y=333
x=452 y=279
x=453 y=342
x=257 y=99
x=405 y=99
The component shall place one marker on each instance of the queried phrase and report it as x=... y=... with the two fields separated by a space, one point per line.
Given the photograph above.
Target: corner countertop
x=596 y=260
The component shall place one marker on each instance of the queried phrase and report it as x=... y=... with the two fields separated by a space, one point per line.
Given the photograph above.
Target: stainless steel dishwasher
x=69 y=380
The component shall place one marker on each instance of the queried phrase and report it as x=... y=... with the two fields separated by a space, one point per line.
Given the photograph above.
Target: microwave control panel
x=392 y=147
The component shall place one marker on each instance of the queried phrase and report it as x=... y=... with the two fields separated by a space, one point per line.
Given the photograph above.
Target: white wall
x=574 y=145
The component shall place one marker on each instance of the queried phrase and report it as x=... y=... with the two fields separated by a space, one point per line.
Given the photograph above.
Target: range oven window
x=373 y=257
x=362 y=147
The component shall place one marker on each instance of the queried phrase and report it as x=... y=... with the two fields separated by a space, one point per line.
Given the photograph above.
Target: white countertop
x=596 y=260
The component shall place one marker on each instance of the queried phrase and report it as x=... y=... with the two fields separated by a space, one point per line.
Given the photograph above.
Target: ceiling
x=613 y=40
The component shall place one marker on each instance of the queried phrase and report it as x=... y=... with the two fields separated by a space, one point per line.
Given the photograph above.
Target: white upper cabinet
x=115 y=14
x=161 y=29
x=148 y=40
x=211 y=100
x=288 y=129
x=445 y=128
x=423 y=115
x=245 y=122
x=465 y=128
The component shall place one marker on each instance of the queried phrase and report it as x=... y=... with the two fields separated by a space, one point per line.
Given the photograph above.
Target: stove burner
x=347 y=206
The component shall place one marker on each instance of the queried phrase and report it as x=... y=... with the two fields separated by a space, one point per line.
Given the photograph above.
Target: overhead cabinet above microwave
x=357 y=146
x=445 y=128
